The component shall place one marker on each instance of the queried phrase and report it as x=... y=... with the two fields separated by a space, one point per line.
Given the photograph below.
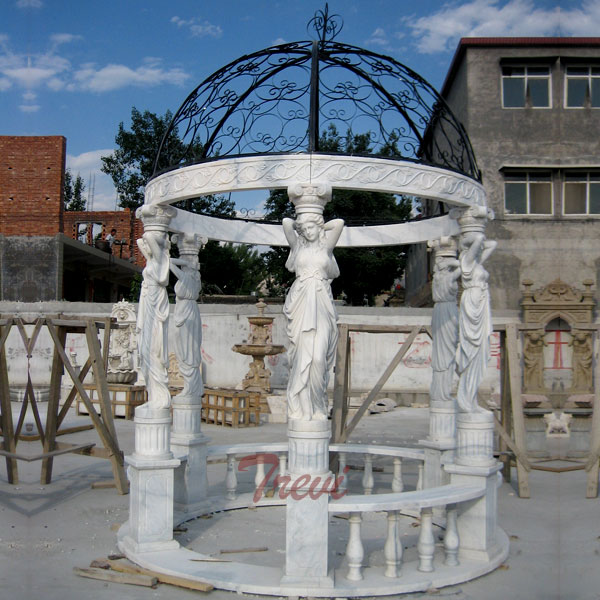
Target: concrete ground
x=45 y=531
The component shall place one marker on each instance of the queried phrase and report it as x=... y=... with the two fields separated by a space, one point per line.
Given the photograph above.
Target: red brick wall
x=31 y=184
x=128 y=228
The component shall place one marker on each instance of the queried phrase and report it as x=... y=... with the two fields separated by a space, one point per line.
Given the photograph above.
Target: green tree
x=73 y=192
x=364 y=272
x=235 y=269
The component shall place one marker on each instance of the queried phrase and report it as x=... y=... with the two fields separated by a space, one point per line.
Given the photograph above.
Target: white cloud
x=112 y=77
x=29 y=96
x=440 y=31
x=378 y=38
x=29 y=108
x=29 y=3
x=87 y=165
x=278 y=41
x=198 y=27
x=55 y=72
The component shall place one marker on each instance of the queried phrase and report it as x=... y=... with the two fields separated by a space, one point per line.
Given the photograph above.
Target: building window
x=581 y=193
x=583 y=87
x=525 y=87
x=528 y=193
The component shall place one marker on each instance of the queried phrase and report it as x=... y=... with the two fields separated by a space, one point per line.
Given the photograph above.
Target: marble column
x=441 y=441
x=312 y=331
x=151 y=466
x=188 y=443
x=474 y=462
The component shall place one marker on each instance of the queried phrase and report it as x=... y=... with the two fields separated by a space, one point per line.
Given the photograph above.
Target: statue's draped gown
x=475 y=329
x=153 y=312
x=312 y=330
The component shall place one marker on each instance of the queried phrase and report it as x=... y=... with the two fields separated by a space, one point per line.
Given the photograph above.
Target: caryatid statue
x=309 y=307
x=475 y=316
x=188 y=323
x=153 y=310
x=444 y=321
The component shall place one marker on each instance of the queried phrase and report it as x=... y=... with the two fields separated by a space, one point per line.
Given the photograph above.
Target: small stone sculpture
x=188 y=323
x=475 y=316
x=533 y=359
x=444 y=321
x=309 y=307
x=153 y=311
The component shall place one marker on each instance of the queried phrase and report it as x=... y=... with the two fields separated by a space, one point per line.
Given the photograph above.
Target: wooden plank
x=99 y=370
x=52 y=409
x=510 y=444
x=518 y=419
x=127 y=567
x=382 y=380
x=8 y=433
x=100 y=427
x=104 y=575
x=340 y=391
x=67 y=449
x=73 y=393
x=504 y=408
x=593 y=463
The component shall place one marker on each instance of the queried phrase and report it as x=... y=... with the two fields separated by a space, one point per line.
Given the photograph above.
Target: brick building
x=49 y=254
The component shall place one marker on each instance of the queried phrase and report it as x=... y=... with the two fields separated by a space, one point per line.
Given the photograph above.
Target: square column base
x=191 y=480
x=477 y=519
x=150 y=504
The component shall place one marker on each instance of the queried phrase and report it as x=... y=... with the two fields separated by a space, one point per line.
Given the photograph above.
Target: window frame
x=526 y=66
x=585 y=178
x=528 y=172
x=589 y=78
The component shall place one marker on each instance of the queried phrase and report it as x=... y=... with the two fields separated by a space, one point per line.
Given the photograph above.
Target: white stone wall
x=225 y=325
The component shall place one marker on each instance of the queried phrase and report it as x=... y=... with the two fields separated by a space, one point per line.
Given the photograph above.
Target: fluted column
x=441 y=441
x=187 y=440
x=151 y=466
x=474 y=462
x=313 y=338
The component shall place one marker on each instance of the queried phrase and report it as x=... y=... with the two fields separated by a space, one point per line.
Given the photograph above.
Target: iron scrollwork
x=261 y=104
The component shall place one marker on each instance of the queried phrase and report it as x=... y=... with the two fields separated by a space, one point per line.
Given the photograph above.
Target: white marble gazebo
x=168 y=470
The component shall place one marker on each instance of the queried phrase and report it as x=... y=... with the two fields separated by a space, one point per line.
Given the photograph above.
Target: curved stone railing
x=271 y=461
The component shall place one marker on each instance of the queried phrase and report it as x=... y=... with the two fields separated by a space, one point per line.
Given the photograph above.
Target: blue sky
x=76 y=68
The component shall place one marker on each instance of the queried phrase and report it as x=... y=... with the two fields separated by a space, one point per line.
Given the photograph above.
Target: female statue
x=188 y=323
x=444 y=324
x=309 y=308
x=153 y=313
x=475 y=319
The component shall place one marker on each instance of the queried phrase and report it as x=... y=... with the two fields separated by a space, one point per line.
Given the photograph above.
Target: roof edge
x=519 y=42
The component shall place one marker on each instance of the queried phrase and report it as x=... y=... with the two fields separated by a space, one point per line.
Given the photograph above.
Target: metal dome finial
x=325 y=25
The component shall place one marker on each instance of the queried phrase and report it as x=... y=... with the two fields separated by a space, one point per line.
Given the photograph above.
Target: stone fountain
x=259 y=345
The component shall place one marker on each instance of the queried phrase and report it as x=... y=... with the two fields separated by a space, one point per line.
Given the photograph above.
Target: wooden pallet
x=123 y=399
x=231 y=408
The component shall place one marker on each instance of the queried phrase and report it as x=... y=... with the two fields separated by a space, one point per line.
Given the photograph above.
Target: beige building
x=531 y=108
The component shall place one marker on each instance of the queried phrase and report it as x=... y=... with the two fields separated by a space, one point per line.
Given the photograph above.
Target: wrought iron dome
x=281 y=99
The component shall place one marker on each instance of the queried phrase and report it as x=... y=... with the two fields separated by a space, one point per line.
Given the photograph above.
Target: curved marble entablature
x=341 y=172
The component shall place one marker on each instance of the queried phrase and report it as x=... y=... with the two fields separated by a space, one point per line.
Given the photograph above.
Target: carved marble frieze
x=573 y=306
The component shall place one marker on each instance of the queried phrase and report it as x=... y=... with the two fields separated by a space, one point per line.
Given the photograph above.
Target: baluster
x=397 y=485
x=354 y=551
x=342 y=475
x=367 y=479
x=420 y=479
x=393 y=546
x=231 y=477
x=282 y=464
x=451 y=539
x=426 y=543
x=259 y=478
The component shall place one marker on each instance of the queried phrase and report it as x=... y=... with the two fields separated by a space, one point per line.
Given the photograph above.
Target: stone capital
x=155 y=217
x=472 y=219
x=444 y=247
x=310 y=198
x=189 y=243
